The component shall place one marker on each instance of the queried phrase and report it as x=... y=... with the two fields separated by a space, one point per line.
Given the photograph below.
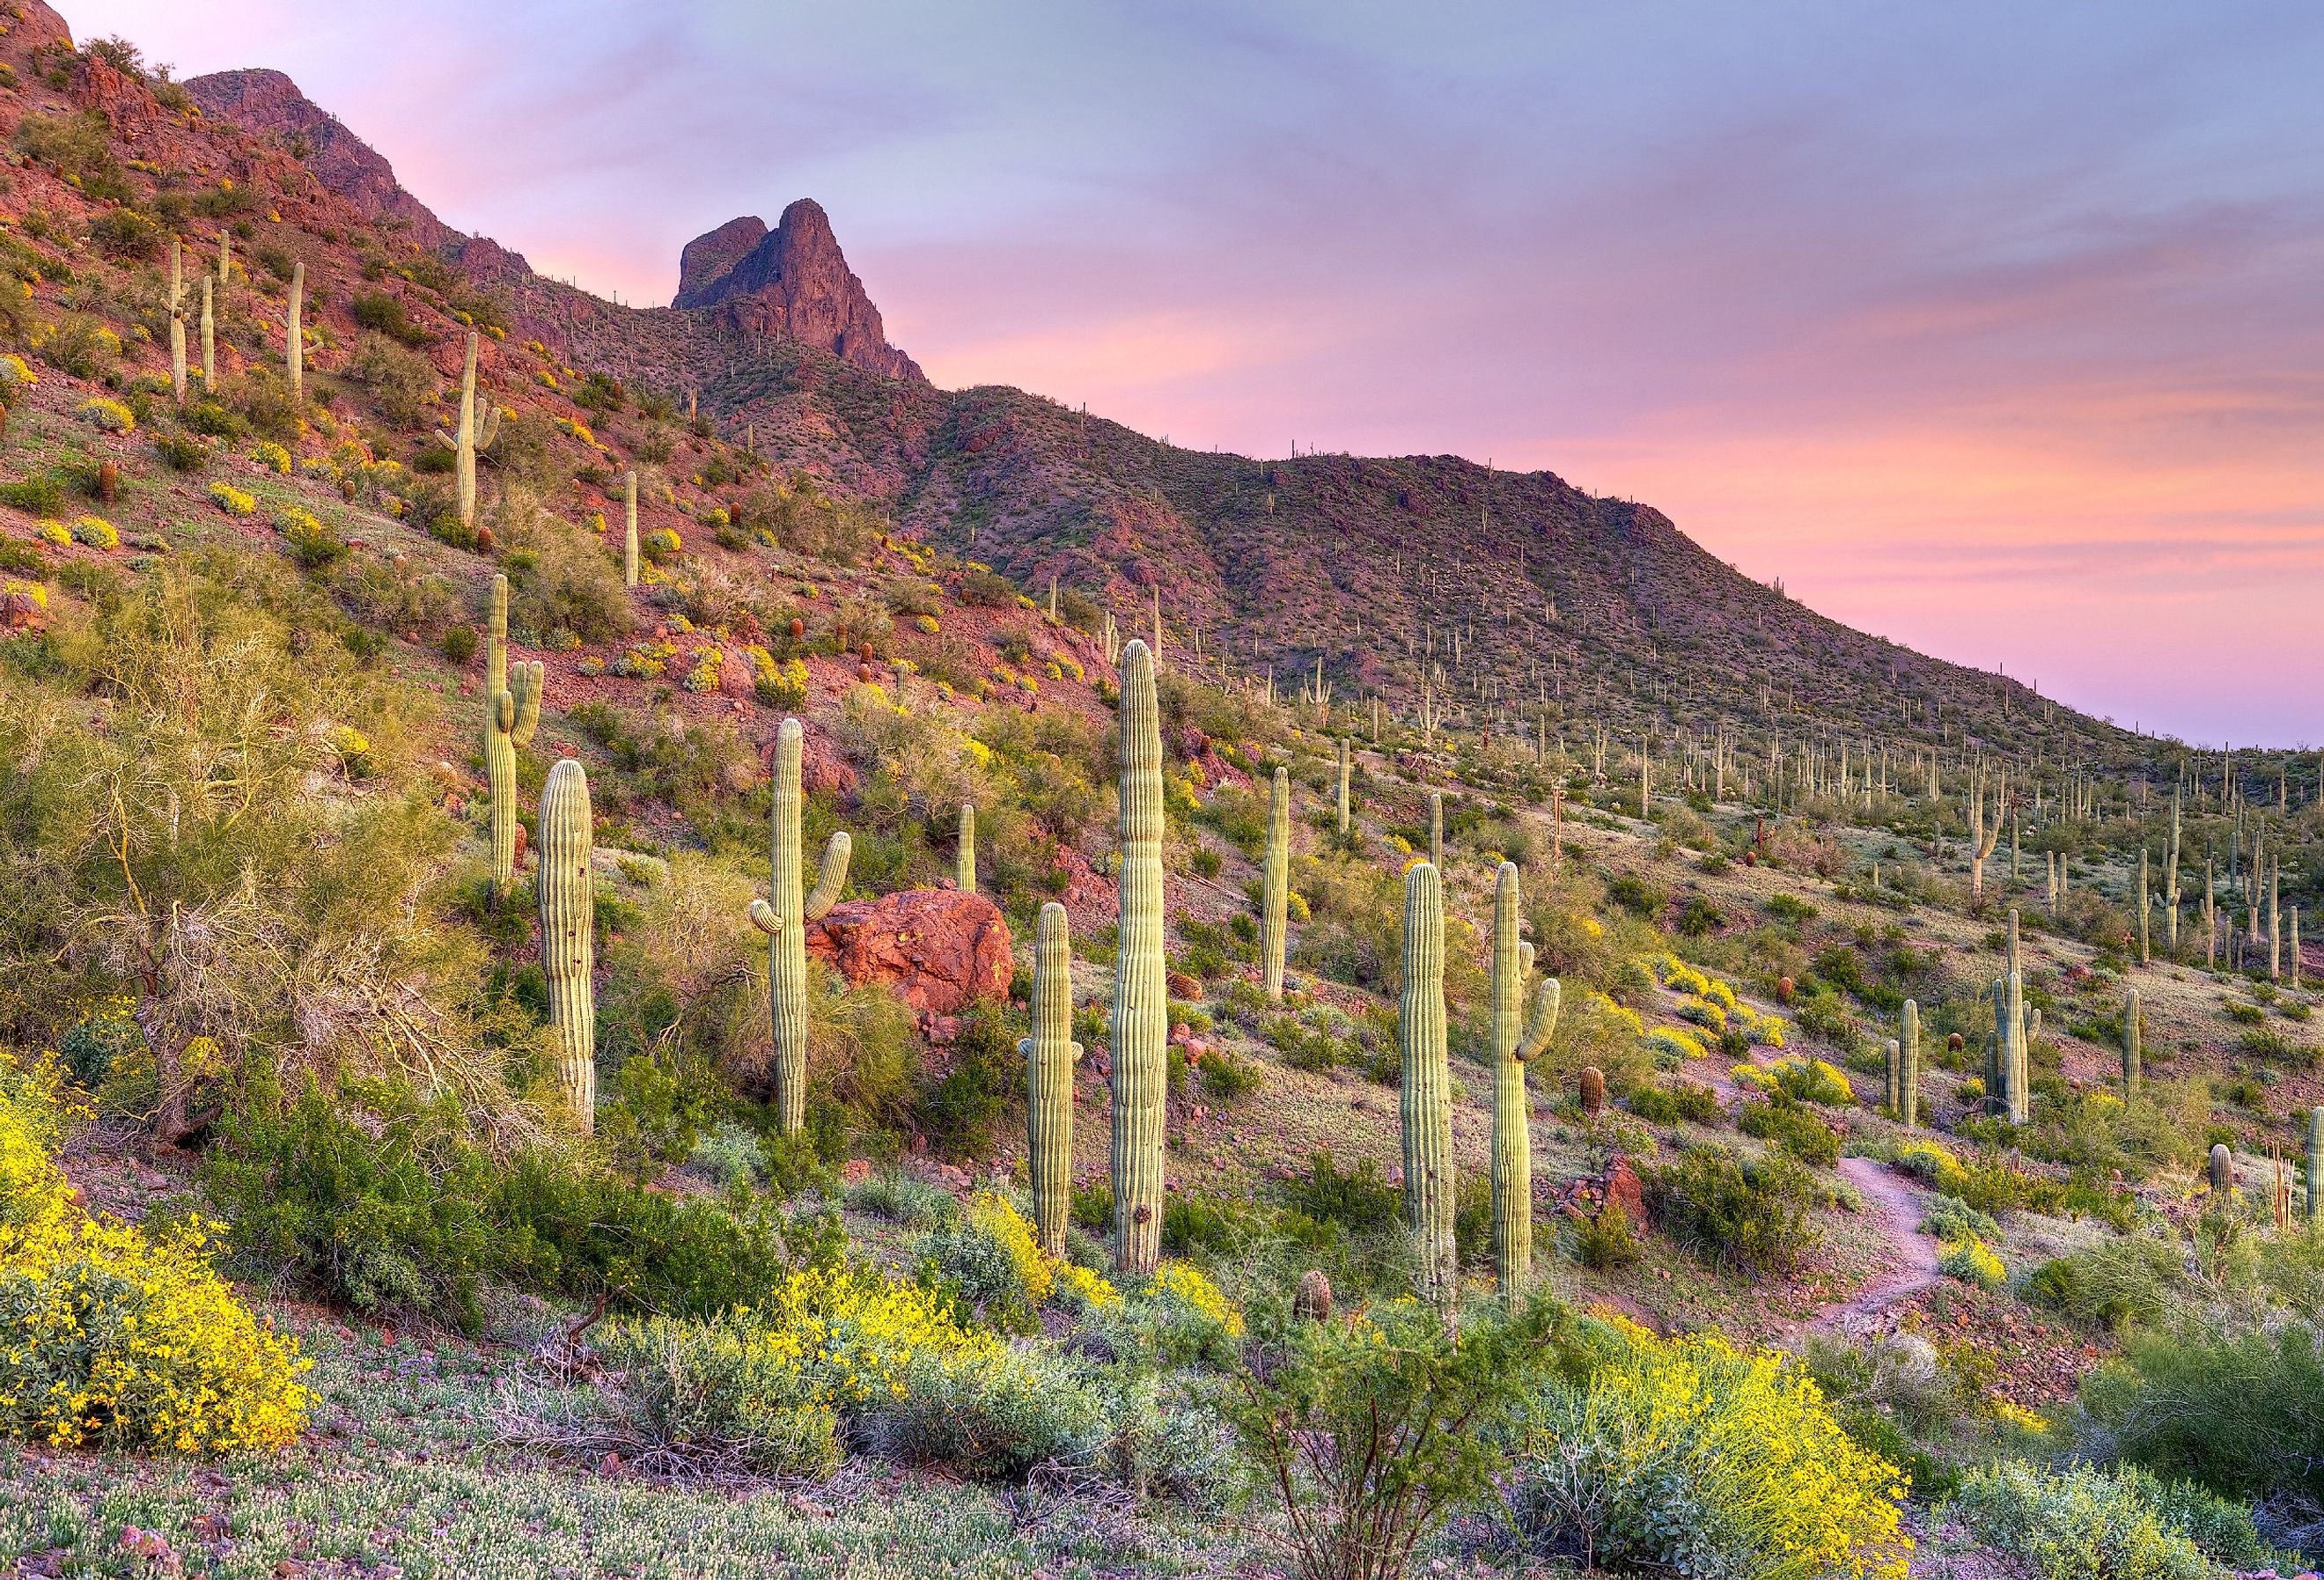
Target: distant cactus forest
x=630 y=948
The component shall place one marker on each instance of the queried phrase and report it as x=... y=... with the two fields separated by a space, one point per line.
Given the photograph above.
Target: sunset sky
x=1997 y=329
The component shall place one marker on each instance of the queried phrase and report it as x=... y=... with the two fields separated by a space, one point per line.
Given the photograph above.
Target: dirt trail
x=1887 y=1195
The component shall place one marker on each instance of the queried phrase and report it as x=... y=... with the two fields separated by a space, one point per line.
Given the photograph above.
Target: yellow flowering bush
x=53 y=532
x=1971 y=1261
x=1669 y=1042
x=110 y=415
x=31 y=592
x=96 y=532
x=1691 y=1456
x=110 y=1337
x=1930 y=1163
x=662 y=543
x=709 y=663
x=272 y=455
x=233 y=500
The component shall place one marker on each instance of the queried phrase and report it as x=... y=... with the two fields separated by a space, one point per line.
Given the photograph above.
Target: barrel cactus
x=568 y=956
x=1140 y=1010
x=785 y=919
x=2223 y=1169
x=1050 y=1054
x=1589 y=1089
x=511 y=713
x=1516 y=1041
x=1276 y=886
x=1426 y=1106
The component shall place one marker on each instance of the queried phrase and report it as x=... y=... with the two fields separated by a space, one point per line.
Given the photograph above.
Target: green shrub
x=986 y=1080
x=2116 y=1282
x=1358 y=1199
x=386 y=315
x=2076 y=1524
x=36 y=496
x=1753 y=1215
x=717 y=1389
x=1949 y=1218
x=901 y=1199
x=182 y=451
x=2242 y=1414
x=1605 y=1241
x=1669 y=1102
x=1793 y=1128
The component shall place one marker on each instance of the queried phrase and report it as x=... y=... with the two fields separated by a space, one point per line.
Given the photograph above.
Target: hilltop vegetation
x=918 y=1256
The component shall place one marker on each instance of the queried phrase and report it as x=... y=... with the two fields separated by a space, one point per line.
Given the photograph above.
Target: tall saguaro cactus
x=209 y=341
x=1050 y=1054
x=476 y=434
x=568 y=953
x=1909 y=1114
x=1275 y=892
x=1517 y=1042
x=964 y=858
x=511 y=712
x=1343 y=786
x=629 y=529
x=784 y=921
x=1427 y=1107
x=1436 y=829
x=2316 y=1168
x=177 y=320
x=1140 y=1009
x=2130 y=1016
x=294 y=337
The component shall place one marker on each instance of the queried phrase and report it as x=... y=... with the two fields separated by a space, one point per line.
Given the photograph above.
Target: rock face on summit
x=791 y=281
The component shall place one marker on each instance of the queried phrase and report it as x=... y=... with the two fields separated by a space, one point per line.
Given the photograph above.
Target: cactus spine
x=784 y=921
x=2130 y=1045
x=1910 y=1114
x=2016 y=1058
x=1343 y=786
x=2223 y=1169
x=1426 y=1106
x=568 y=955
x=1275 y=887
x=629 y=529
x=2146 y=934
x=1516 y=1042
x=2316 y=1168
x=1436 y=829
x=209 y=342
x=1050 y=1054
x=1892 y=1096
x=511 y=712
x=294 y=338
x=964 y=858
x=473 y=435
x=1139 y=1008
x=177 y=320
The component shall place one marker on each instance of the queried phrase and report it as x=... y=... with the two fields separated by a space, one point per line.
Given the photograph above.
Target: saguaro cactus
x=1436 y=829
x=2017 y=1057
x=629 y=529
x=177 y=320
x=1050 y=1054
x=1140 y=1024
x=1892 y=1094
x=1516 y=1042
x=209 y=341
x=1275 y=892
x=2316 y=1168
x=476 y=434
x=964 y=858
x=1427 y=1107
x=2130 y=1015
x=1343 y=786
x=568 y=953
x=294 y=337
x=785 y=919
x=1909 y=1114
x=511 y=712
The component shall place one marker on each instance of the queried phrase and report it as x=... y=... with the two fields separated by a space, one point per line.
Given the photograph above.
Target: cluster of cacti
x=1050 y=1054
x=511 y=712
x=1427 y=1107
x=473 y=435
x=629 y=529
x=964 y=859
x=1140 y=1010
x=785 y=919
x=1275 y=892
x=568 y=934
x=1517 y=1041
x=294 y=338
x=2130 y=1016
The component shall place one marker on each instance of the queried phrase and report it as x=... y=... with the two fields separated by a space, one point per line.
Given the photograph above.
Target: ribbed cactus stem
x=1893 y=1095
x=1516 y=1042
x=1343 y=785
x=1140 y=1024
x=1426 y=1109
x=209 y=341
x=629 y=529
x=464 y=446
x=294 y=337
x=177 y=320
x=1436 y=829
x=784 y=918
x=2145 y=933
x=2316 y=1168
x=1050 y=1054
x=964 y=858
x=568 y=955
x=1909 y=1114
x=2130 y=1032
x=1275 y=892
x=2223 y=1169
x=511 y=712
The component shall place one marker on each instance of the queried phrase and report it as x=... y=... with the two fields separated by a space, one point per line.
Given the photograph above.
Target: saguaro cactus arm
x=1547 y=997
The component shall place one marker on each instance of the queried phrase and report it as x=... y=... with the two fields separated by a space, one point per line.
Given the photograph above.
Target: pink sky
x=1997 y=330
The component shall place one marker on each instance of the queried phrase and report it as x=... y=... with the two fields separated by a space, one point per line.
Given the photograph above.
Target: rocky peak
x=791 y=281
x=268 y=104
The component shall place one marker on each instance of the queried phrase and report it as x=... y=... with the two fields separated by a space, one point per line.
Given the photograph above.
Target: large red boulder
x=938 y=949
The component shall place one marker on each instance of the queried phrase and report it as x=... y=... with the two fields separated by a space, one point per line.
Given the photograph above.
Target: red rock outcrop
x=791 y=281
x=938 y=949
